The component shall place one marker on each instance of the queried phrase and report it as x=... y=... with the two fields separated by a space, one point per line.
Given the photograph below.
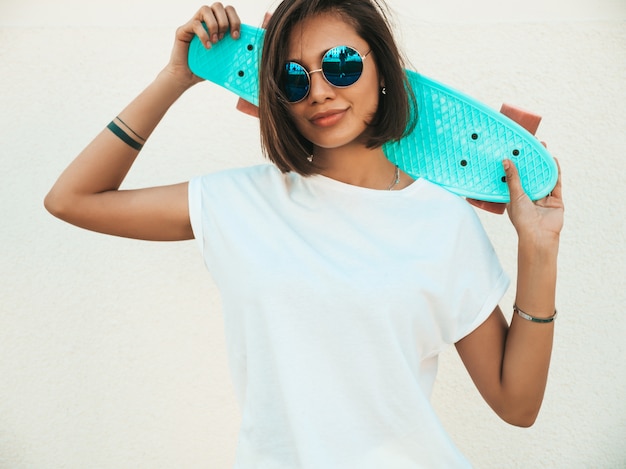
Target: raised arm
x=87 y=193
x=509 y=364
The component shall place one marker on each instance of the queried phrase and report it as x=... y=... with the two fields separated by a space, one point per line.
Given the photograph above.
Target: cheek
x=367 y=95
x=296 y=118
x=367 y=103
x=373 y=108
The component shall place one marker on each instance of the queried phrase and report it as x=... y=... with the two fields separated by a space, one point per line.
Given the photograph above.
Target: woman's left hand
x=538 y=219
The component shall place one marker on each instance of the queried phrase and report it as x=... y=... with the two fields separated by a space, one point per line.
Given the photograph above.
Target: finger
x=513 y=181
x=202 y=28
x=186 y=32
x=557 y=191
x=207 y=16
x=234 y=22
x=221 y=19
x=195 y=27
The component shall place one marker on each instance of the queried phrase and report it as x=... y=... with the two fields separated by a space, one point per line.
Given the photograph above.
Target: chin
x=336 y=140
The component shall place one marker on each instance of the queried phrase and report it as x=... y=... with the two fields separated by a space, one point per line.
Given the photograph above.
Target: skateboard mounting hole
x=240 y=73
x=250 y=47
x=515 y=152
x=463 y=163
x=503 y=179
x=474 y=136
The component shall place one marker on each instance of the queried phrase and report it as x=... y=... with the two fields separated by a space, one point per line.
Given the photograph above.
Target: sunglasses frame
x=309 y=73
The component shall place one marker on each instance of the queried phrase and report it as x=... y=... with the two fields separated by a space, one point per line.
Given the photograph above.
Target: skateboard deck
x=458 y=142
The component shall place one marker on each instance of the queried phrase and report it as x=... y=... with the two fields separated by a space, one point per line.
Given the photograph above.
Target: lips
x=328 y=118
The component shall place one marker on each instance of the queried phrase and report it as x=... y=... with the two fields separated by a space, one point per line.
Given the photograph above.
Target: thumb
x=513 y=181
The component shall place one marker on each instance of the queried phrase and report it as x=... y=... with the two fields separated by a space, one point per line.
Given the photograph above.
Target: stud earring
x=310 y=158
x=384 y=90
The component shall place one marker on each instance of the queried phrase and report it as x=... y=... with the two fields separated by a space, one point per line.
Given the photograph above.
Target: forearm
x=528 y=344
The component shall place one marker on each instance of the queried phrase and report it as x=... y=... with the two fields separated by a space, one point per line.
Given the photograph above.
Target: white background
x=111 y=350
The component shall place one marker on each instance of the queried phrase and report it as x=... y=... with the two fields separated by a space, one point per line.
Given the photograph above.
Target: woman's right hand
x=218 y=19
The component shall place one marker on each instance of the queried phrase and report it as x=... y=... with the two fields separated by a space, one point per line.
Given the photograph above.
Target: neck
x=358 y=166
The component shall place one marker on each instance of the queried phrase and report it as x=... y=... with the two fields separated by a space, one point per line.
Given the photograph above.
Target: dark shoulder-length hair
x=397 y=110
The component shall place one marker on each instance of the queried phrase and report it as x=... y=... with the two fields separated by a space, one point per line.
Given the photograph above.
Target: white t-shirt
x=337 y=300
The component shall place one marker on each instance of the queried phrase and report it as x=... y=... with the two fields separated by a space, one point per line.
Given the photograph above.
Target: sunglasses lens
x=295 y=82
x=342 y=66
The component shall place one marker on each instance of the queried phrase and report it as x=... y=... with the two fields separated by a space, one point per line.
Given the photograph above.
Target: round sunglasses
x=341 y=67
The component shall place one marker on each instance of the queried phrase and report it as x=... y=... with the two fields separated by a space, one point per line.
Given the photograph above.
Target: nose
x=320 y=90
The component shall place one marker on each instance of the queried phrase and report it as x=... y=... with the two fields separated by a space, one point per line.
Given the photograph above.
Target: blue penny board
x=458 y=143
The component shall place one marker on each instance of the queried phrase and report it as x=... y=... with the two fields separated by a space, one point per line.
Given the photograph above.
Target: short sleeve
x=195 y=210
x=477 y=279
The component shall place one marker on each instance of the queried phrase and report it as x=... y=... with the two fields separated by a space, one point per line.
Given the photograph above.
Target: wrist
x=538 y=242
x=173 y=84
x=537 y=274
x=537 y=254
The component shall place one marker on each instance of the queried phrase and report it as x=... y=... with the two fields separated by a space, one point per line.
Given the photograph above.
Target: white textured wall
x=111 y=350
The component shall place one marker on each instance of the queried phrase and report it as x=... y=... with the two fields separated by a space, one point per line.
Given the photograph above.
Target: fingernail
x=235 y=34
x=208 y=44
x=214 y=38
x=506 y=164
x=221 y=37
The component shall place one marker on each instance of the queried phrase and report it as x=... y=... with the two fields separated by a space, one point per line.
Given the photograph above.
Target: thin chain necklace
x=396 y=179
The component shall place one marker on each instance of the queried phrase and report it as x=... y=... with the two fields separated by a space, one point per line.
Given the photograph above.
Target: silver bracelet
x=528 y=317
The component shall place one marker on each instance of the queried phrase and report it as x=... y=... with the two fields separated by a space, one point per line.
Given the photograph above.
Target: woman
x=342 y=278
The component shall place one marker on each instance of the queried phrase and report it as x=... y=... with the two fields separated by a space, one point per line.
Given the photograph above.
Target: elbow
x=519 y=416
x=51 y=204
x=526 y=421
x=56 y=204
x=519 y=407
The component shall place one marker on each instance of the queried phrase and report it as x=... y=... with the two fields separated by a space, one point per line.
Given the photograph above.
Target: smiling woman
x=332 y=358
x=312 y=33
x=334 y=118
